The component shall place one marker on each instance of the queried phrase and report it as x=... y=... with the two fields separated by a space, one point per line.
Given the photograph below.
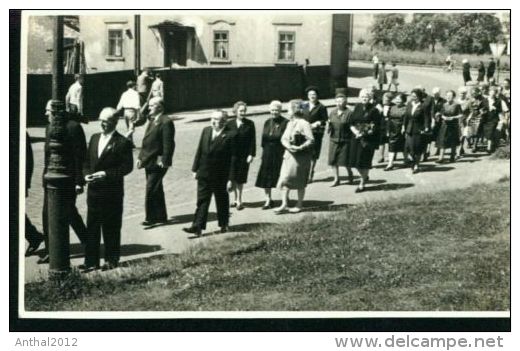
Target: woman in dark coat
x=466 y=71
x=272 y=154
x=491 y=118
x=395 y=126
x=246 y=150
x=478 y=108
x=449 y=132
x=340 y=136
x=416 y=127
x=317 y=117
x=384 y=109
x=364 y=123
x=481 y=72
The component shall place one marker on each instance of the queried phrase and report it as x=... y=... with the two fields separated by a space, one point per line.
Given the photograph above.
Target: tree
x=384 y=28
x=430 y=28
x=472 y=32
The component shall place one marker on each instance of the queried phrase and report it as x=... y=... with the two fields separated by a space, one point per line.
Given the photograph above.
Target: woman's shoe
x=267 y=205
x=335 y=183
x=234 y=204
x=381 y=160
x=389 y=168
x=280 y=210
x=351 y=179
x=415 y=170
x=439 y=161
x=360 y=190
x=295 y=210
x=240 y=207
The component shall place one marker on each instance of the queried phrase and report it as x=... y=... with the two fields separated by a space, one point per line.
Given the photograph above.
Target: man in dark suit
x=212 y=167
x=32 y=235
x=156 y=157
x=76 y=145
x=109 y=159
x=492 y=65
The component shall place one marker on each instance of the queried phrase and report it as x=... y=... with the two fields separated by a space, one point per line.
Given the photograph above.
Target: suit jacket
x=245 y=137
x=213 y=157
x=75 y=152
x=437 y=106
x=116 y=160
x=158 y=141
x=418 y=121
x=318 y=113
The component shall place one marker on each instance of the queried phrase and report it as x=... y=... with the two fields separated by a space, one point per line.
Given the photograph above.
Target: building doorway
x=175 y=48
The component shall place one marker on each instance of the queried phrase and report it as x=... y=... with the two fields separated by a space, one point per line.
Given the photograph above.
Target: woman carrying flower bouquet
x=364 y=123
x=297 y=141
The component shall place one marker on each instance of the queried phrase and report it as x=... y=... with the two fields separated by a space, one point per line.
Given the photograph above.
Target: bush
x=502 y=153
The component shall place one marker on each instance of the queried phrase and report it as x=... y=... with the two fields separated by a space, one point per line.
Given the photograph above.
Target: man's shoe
x=108 y=266
x=193 y=230
x=147 y=223
x=33 y=247
x=224 y=229
x=44 y=259
x=83 y=268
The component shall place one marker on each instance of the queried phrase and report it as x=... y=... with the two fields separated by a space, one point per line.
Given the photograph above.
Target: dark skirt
x=489 y=128
x=316 y=147
x=240 y=170
x=435 y=132
x=415 y=144
x=339 y=153
x=360 y=154
x=449 y=135
x=466 y=75
x=272 y=158
x=396 y=142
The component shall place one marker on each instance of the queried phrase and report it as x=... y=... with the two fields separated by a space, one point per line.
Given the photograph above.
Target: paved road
x=180 y=188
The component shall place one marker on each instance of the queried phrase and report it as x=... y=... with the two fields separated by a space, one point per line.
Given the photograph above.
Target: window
x=221 y=45
x=115 y=42
x=286 y=46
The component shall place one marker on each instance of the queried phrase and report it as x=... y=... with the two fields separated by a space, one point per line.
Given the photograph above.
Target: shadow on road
x=389 y=186
x=77 y=250
x=434 y=168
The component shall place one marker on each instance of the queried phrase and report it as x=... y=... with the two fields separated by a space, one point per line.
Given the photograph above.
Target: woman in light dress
x=297 y=141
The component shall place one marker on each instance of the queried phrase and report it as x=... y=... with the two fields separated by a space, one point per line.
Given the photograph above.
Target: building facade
x=181 y=40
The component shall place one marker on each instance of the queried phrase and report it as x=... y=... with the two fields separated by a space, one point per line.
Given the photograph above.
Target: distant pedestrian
x=245 y=132
x=448 y=136
x=466 y=71
x=492 y=65
x=74 y=100
x=395 y=78
x=449 y=63
x=364 y=124
x=375 y=61
x=317 y=116
x=382 y=79
x=109 y=160
x=297 y=140
x=130 y=104
x=340 y=136
x=143 y=86
x=156 y=158
x=157 y=89
x=395 y=126
x=272 y=154
x=481 y=72
x=211 y=168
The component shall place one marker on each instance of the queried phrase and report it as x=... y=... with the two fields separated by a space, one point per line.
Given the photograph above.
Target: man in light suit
x=212 y=168
x=109 y=160
x=156 y=157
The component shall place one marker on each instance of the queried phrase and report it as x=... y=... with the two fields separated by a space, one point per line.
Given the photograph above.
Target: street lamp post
x=59 y=182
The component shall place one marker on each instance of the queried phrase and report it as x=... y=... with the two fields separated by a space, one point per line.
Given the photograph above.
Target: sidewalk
x=139 y=242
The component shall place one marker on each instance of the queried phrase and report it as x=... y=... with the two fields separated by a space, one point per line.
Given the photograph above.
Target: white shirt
x=103 y=142
x=414 y=106
x=129 y=99
x=239 y=123
x=215 y=134
x=75 y=95
x=157 y=88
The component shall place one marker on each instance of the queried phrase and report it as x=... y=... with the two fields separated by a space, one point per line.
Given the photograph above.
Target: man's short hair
x=77 y=76
x=108 y=112
x=130 y=84
x=157 y=100
x=219 y=113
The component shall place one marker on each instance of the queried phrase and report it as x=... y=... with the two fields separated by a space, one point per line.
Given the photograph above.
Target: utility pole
x=137 y=44
x=59 y=182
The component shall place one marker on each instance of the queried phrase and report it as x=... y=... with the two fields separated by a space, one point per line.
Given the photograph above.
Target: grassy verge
x=445 y=251
x=425 y=57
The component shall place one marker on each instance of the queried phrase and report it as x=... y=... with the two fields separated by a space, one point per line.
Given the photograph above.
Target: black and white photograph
x=264 y=164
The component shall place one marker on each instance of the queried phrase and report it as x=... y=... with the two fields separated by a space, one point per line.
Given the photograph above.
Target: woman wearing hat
x=340 y=135
x=416 y=126
x=448 y=136
x=297 y=141
x=317 y=117
x=273 y=150
x=245 y=150
x=364 y=125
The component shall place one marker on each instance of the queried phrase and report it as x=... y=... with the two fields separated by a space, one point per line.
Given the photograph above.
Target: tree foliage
x=459 y=32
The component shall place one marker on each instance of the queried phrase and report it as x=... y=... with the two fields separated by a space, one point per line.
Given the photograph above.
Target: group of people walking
x=290 y=148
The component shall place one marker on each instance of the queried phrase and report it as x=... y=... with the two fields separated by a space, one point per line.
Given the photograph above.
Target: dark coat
x=158 y=141
x=116 y=160
x=491 y=69
x=75 y=147
x=417 y=122
x=318 y=113
x=213 y=158
x=245 y=146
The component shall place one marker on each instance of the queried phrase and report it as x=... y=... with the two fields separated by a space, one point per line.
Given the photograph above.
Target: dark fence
x=188 y=89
